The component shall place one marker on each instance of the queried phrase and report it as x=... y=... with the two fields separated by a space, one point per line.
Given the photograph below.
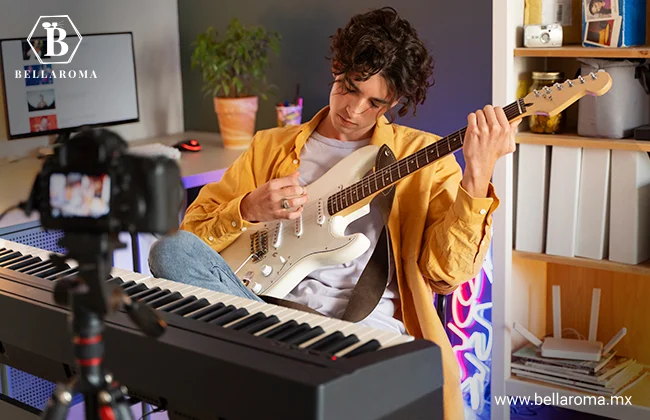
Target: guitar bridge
x=259 y=244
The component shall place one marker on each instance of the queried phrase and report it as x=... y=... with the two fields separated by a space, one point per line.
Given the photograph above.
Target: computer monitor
x=97 y=88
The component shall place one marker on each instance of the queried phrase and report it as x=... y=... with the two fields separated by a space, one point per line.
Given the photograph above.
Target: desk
x=208 y=165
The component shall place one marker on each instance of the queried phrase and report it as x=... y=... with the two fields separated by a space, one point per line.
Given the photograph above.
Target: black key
x=156 y=295
x=128 y=284
x=280 y=328
x=32 y=267
x=10 y=256
x=175 y=305
x=191 y=307
x=163 y=300
x=14 y=260
x=259 y=326
x=116 y=281
x=304 y=327
x=204 y=311
x=67 y=273
x=370 y=346
x=325 y=341
x=4 y=251
x=216 y=314
x=340 y=345
x=40 y=269
x=135 y=289
x=52 y=270
x=298 y=339
x=248 y=321
x=143 y=294
x=24 y=263
x=229 y=317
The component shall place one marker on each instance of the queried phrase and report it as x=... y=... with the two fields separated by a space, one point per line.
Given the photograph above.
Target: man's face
x=354 y=110
x=595 y=7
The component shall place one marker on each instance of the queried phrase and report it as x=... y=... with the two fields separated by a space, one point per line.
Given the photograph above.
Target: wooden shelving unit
x=640 y=269
x=577 y=51
x=574 y=140
x=522 y=288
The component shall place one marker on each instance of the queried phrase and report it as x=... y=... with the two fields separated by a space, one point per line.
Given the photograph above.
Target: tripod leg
x=114 y=402
x=59 y=404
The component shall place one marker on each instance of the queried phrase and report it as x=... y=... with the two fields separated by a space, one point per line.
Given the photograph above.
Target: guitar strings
x=511 y=111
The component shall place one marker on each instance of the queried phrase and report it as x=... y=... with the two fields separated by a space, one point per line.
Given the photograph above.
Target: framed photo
x=603 y=32
x=600 y=9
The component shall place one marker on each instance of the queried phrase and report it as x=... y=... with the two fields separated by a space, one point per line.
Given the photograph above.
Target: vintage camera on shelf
x=92 y=184
x=541 y=36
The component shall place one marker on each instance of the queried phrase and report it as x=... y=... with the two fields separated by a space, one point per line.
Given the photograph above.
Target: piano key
x=115 y=281
x=370 y=346
x=229 y=317
x=279 y=329
x=63 y=274
x=177 y=304
x=191 y=307
x=40 y=269
x=14 y=260
x=258 y=326
x=300 y=338
x=165 y=299
x=145 y=293
x=4 y=251
x=127 y=284
x=10 y=256
x=340 y=344
x=155 y=296
x=325 y=341
x=253 y=319
x=51 y=271
x=204 y=311
x=25 y=263
x=25 y=270
x=135 y=289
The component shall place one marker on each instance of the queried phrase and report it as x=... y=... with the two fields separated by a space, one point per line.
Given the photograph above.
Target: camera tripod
x=91 y=298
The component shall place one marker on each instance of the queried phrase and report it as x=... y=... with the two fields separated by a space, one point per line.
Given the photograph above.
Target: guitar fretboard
x=384 y=178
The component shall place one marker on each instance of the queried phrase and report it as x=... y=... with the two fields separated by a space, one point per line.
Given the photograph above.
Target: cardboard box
x=613 y=23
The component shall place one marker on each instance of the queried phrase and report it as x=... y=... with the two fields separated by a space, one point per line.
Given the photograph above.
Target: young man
x=440 y=222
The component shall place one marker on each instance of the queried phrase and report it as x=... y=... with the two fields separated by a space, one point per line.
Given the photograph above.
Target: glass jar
x=542 y=123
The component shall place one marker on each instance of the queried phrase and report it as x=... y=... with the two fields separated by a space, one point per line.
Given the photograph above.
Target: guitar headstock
x=554 y=99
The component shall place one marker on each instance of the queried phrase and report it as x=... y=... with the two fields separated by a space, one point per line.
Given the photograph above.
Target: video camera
x=91 y=184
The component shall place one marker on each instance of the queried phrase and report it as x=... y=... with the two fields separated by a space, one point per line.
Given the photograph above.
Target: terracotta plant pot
x=236 y=120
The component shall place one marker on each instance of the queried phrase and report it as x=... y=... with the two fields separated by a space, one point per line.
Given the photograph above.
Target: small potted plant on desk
x=234 y=75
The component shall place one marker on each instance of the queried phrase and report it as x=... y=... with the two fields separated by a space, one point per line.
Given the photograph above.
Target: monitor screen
x=98 y=87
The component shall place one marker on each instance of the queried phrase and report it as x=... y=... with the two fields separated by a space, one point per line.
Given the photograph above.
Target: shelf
x=574 y=140
x=584 y=52
x=640 y=398
x=639 y=269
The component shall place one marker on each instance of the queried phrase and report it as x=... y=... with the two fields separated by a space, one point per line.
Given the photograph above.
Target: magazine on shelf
x=534 y=354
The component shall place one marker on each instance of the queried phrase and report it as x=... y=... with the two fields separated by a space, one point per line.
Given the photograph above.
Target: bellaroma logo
x=61 y=34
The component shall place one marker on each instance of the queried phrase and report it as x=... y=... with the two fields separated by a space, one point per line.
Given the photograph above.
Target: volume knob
x=267 y=270
x=256 y=287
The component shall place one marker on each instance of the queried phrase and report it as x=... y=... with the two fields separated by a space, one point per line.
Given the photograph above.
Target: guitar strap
x=373 y=280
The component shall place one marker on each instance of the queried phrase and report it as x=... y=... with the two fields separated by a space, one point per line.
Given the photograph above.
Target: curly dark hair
x=380 y=41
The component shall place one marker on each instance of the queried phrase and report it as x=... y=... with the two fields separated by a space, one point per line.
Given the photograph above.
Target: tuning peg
x=593 y=76
x=558 y=86
x=582 y=79
x=570 y=83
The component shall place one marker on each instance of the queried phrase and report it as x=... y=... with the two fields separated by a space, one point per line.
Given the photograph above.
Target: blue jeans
x=185 y=258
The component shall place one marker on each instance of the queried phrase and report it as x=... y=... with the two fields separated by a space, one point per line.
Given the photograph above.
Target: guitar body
x=273 y=257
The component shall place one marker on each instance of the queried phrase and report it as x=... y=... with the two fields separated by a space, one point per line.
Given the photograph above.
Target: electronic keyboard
x=221 y=357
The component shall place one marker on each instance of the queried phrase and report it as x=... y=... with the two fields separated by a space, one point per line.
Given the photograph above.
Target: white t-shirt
x=328 y=289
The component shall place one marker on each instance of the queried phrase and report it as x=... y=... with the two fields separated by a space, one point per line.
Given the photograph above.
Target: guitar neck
x=395 y=172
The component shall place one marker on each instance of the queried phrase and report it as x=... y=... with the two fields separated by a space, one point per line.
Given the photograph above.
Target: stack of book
x=612 y=375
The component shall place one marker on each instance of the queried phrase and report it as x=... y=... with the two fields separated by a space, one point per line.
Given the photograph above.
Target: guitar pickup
x=299 y=226
x=277 y=235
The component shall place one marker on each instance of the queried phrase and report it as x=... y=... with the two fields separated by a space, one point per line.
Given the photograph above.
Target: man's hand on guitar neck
x=489 y=137
x=266 y=202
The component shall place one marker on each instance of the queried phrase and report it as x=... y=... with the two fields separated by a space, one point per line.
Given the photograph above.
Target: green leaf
x=236 y=64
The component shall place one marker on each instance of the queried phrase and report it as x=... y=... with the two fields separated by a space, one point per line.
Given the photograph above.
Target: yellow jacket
x=439 y=233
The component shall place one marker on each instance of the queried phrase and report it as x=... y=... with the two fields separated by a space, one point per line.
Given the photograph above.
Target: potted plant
x=233 y=70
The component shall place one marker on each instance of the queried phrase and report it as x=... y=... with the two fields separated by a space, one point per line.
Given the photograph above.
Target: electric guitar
x=273 y=257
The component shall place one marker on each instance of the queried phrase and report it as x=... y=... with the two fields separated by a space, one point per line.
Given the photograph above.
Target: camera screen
x=80 y=195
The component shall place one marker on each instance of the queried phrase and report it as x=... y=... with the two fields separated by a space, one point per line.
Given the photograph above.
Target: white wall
x=154 y=24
